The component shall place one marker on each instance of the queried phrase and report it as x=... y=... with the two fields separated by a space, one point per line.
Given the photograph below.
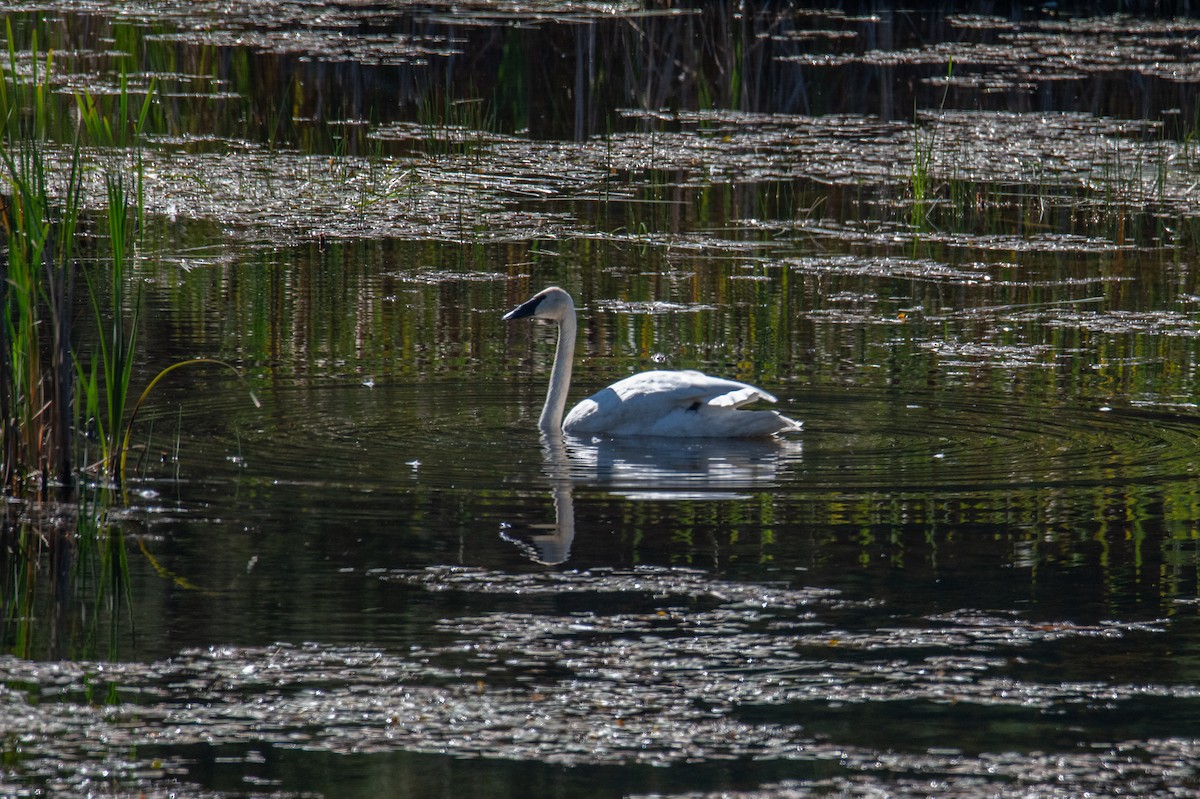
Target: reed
x=61 y=532
x=123 y=451
x=920 y=176
x=117 y=340
x=41 y=211
x=64 y=570
x=454 y=128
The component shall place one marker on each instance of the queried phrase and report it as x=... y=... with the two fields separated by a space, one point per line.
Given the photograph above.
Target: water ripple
x=945 y=443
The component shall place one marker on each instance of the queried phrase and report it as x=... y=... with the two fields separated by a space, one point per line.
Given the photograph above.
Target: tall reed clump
x=920 y=178
x=67 y=553
x=65 y=409
x=46 y=386
x=920 y=174
x=105 y=378
x=39 y=215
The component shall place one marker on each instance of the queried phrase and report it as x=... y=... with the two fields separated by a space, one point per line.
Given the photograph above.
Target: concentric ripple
x=960 y=443
x=383 y=437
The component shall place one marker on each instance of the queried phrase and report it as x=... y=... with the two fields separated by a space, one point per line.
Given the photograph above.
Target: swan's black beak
x=529 y=308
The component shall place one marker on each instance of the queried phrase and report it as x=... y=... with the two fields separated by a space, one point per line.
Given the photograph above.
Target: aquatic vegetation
x=510 y=189
x=56 y=556
x=36 y=292
x=1003 y=51
x=64 y=555
x=681 y=669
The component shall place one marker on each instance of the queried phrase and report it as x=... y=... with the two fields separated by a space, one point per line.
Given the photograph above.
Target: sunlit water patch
x=1019 y=55
x=678 y=668
x=884 y=234
x=489 y=188
x=321 y=36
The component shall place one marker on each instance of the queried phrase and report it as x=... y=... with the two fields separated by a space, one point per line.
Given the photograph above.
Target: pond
x=961 y=249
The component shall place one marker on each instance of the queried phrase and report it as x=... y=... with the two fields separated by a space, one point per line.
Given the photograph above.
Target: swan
x=656 y=403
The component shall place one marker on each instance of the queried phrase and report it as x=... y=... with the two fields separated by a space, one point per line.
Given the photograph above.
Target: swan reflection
x=648 y=469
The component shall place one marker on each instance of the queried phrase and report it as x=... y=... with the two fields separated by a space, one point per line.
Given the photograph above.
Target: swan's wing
x=725 y=422
x=676 y=404
x=687 y=387
x=737 y=397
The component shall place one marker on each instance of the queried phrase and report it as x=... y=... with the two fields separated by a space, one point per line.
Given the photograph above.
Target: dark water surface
x=974 y=573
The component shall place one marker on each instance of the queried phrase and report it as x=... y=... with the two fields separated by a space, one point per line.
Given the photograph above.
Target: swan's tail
x=725 y=418
x=727 y=422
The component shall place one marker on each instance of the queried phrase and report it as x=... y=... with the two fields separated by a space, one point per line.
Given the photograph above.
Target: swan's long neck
x=560 y=377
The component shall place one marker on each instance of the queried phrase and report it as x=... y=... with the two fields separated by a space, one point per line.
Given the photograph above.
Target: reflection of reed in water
x=648 y=469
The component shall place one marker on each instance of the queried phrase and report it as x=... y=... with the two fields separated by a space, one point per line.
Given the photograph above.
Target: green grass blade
x=150 y=388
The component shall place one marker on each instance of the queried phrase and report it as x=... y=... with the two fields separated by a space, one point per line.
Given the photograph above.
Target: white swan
x=658 y=403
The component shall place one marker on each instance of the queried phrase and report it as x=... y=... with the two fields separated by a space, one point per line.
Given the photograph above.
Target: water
x=973 y=574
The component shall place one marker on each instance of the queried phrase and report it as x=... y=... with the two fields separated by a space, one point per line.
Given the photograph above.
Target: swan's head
x=552 y=303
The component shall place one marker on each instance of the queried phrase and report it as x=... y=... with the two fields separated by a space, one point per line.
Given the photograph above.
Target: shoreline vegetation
x=67 y=409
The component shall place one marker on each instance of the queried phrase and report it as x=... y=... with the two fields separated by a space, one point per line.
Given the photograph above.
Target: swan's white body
x=658 y=403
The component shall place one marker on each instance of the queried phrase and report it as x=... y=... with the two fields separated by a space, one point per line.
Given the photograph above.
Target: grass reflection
x=65 y=582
